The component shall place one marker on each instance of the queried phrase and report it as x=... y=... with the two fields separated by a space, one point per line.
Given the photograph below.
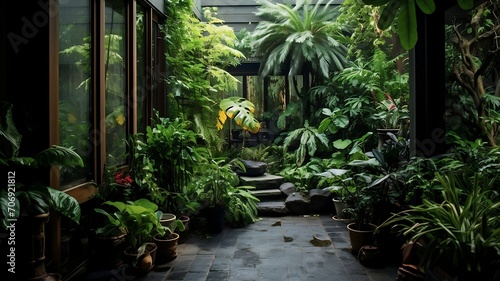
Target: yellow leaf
x=120 y=119
x=72 y=118
x=221 y=120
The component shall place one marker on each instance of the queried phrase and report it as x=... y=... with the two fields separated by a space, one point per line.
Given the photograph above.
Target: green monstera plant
x=241 y=110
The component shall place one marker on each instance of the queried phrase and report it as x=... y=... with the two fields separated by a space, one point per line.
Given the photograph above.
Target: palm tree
x=299 y=39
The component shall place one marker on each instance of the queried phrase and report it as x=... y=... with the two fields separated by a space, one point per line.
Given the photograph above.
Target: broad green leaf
x=407 y=25
x=341 y=144
x=324 y=125
x=66 y=204
x=427 y=6
x=241 y=110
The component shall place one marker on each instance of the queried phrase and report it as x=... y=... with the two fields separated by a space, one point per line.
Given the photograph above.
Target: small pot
x=167 y=247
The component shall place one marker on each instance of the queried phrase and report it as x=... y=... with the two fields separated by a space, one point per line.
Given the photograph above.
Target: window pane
x=141 y=71
x=74 y=85
x=255 y=94
x=116 y=82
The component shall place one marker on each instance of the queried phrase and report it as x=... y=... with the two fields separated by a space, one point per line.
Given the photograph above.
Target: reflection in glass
x=116 y=82
x=141 y=71
x=74 y=85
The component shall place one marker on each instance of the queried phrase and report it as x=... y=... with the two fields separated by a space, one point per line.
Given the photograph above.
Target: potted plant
x=141 y=221
x=171 y=152
x=459 y=234
x=340 y=186
x=167 y=242
x=29 y=199
x=217 y=186
x=392 y=118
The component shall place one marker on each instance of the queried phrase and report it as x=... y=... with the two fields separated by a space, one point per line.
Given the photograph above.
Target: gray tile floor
x=273 y=249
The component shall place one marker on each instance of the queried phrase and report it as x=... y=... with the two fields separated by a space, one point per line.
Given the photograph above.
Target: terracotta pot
x=167 y=247
x=168 y=220
x=360 y=238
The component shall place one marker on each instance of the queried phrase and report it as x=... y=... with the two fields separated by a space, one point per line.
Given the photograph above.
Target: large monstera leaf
x=241 y=110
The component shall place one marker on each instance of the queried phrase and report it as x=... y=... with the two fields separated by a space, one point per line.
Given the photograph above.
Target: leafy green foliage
x=32 y=197
x=405 y=13
x=241 y=110
x=241 y=208
x=139 y=219
x=309 y=141
x=300 y=40
x=463 y=231
x=197 y=54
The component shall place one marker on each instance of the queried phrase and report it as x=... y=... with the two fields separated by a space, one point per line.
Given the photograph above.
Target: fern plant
x=241 y=208
x=310 y=139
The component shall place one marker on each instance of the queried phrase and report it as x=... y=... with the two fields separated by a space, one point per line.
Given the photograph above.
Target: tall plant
x=302 y=39
x=462 y=233
x=197 y=53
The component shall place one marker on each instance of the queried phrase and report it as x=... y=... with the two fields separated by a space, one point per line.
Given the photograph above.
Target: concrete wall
x=241 y=13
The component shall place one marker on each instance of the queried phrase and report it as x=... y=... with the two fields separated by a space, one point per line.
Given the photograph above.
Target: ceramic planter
x=360 y=238
x=167 y=247
x=215 y=219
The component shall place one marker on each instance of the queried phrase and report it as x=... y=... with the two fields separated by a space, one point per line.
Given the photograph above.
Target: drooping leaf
x=427 y=6
x=58 y=156
x=66 y=204
x=407 y=25
x=388 y=14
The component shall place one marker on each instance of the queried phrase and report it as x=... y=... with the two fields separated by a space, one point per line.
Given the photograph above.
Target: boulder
x=297 y=204
x=288 y=188
x=253 y=168
x=321 y=201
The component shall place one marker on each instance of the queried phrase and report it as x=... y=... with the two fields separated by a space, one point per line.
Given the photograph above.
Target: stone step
x=266 y=192
x=272 y=208
x=266 y=181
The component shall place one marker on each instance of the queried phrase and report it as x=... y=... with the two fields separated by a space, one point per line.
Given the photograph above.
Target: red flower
x=123 y=180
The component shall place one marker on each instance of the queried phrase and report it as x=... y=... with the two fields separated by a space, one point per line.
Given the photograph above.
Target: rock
x=253 y=168
x=288 y=188
x=321 y=201
x=297 y=204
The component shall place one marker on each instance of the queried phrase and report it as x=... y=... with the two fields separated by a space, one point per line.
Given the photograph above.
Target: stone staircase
x=267 y=189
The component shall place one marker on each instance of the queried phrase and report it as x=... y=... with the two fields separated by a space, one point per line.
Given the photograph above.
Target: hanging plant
x=241 y=110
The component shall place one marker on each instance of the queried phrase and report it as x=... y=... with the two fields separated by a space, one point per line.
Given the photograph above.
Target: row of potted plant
x=447 y=206
x=171 y=173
